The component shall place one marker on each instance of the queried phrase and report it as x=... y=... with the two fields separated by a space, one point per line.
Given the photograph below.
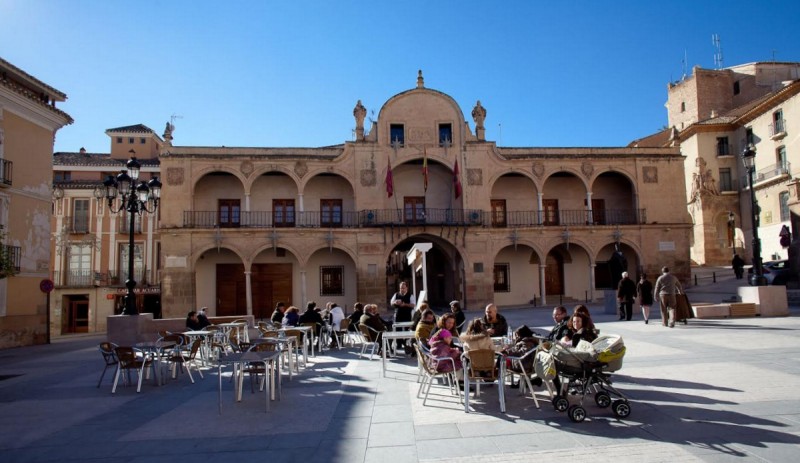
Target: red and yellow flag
x=389 y=181
x=425 y=170
x=456 y=181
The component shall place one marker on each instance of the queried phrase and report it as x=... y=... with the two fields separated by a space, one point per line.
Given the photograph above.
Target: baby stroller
x=586 y=370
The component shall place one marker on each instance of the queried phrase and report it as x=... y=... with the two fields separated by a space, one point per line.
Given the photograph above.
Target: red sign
x=46 y=286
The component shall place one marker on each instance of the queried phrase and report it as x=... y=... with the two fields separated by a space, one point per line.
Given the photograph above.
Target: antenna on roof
x=684 y=64
x=172 y=119
x=718 y=53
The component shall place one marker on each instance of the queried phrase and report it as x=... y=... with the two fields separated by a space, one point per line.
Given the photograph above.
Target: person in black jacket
x=312 y=316
x=626 y=294
x=561 y=328
x=277 y=314
x=645 y=291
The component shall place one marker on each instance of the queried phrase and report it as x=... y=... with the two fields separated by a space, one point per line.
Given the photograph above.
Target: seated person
x=524 y=342
x=202 y=318
x=355 y=317
x=476 y=336
x=277 y=314
x=442 y=346
x=336 y=316
x=291 y=317
x=372 y=319
x=192 y=322
x=561 y=327
x=494 y=323
x=312 y=316
x=455 y=308
x=581 y=329
x=447 y=322
x=417 y=315
x=425 y=328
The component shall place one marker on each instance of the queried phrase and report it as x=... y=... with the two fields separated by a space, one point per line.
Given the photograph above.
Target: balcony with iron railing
x=6 y=169
x=86 y=278
x=77 y=224
x=777 y=129
x=767 y=173
x=425 y=216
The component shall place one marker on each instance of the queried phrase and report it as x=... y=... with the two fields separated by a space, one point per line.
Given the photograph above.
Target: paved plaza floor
x=712 y=390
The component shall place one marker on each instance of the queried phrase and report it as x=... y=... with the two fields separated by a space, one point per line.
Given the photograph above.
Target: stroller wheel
x=621 y=408
x=602 y=399
x=576 y=413
x=560 y=403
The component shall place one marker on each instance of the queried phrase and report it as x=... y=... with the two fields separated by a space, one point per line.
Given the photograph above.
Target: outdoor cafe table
x=203 y=335
x=389 y=336
x=282 y=342
x=308 y=333
x=401 y=326
x=501 y=386
x=155 y=349
x=240 y=327
x=271 y=361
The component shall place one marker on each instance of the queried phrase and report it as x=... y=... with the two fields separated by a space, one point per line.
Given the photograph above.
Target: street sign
x=46 y=285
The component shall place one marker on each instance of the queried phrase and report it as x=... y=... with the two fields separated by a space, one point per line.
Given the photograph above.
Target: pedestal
x=610 y=305
x=770 y=301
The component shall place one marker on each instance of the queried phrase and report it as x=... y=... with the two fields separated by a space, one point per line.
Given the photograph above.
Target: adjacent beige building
x=243 y=228
x=90 y=242
x=29 y=120
x=713 y=115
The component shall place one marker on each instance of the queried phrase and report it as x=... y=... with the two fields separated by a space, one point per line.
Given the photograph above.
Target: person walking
x=645 y=291
x=626 y=294
x=738 y=266
x=667 y=287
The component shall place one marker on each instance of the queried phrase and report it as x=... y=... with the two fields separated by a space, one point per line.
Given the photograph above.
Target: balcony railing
x=13 y=254
x=83 y=278
x=767 y=173
x=6 y=169
x=777 y=129
x=398 y=217
x=77 y=224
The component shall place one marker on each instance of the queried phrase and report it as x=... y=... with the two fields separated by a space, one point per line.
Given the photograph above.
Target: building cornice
x=44 y=116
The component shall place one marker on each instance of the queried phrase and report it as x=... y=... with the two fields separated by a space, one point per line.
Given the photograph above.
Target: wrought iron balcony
x=13 y=254
x=6 y=169
x=415 y=217
x=77 y=224
x=775 y=170
x=86 y=278
x=777 y=129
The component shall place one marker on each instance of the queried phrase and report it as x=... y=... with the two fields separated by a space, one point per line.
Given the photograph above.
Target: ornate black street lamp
x=135 y=198
x=732 y=231
x=749 y=161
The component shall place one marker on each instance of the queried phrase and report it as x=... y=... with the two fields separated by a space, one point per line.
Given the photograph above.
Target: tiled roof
x=31 y=79
x=656 y=140
x=97 y=160
x=138 y=128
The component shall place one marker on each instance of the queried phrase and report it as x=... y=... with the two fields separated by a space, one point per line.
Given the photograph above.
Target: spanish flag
x=456 y=181
x=389 y=180
x=425 y=170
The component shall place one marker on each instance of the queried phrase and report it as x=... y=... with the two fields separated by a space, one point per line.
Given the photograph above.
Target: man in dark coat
x=738 y=266
x=626 y=294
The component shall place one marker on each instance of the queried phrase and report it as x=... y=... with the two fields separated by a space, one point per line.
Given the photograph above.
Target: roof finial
x=420 y=80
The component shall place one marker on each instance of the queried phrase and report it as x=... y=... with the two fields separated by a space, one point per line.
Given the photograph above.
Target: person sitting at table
x=203 y=318
x=291 y=317
x=312 y=316
x=192 y=322
x=372 y=319
x=495 y=323
x=442 y=347
x=447 y=322
x=336 y=315
x=476 y=337
x=455 y=308
x=524 y=342
x=417 y=315
x=355 y=317
x=425 y=328
x=561 y=327
x=581 y=329
x=277 y=314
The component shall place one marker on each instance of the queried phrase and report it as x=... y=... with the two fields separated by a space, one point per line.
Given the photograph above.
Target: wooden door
x=229 y=213
x=78 y=316
x=498 y=213
x=599 y=211
x=269 y=284
x=230 y=281
x=550 y=210
x=554 y=275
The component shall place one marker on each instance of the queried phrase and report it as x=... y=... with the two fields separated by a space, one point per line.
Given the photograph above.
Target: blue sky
x=270 y=73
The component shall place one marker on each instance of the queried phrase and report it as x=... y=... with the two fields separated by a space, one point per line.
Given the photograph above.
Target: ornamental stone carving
x=650 y=174
x=175 y=176
x=587 y=168
x=474 y=176
x=538 y=169
x=368 y=177
x=246 y=168
x=300 y=169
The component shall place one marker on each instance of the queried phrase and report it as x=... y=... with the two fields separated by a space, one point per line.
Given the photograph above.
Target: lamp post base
x=758 y=280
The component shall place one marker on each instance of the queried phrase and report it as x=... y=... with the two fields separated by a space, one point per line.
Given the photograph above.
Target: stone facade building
x=244 y=228
x=29 y=120
x=714 y=115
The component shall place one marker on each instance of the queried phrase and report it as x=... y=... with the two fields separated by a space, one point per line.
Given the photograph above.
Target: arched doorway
x=444 y=266
x=554 y=274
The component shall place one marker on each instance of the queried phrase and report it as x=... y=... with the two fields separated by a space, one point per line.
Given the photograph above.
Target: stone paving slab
x=712 y=391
